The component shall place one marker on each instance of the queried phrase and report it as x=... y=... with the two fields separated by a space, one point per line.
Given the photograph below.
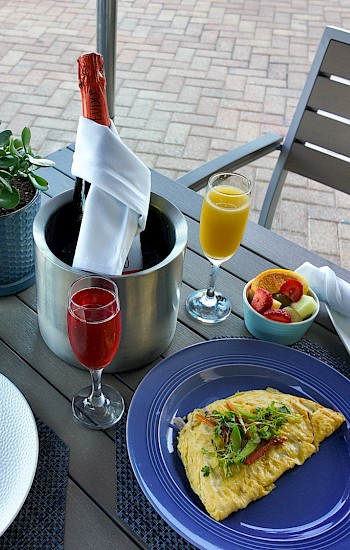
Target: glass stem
x=96 y=398
x=213 y=276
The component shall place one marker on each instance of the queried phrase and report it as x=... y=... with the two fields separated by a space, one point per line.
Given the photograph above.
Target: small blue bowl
x=273 y=331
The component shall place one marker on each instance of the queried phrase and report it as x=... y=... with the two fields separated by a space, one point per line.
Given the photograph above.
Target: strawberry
x=293 y=289
x=262 y=300
x=278 y=315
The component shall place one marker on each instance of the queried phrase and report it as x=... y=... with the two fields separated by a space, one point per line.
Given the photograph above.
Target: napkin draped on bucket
x=117 y=204
x=328 y=287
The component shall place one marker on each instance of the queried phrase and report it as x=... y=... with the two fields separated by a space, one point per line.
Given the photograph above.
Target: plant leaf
x=13 y=149
x=7 y=162
x=17 y=143
x=38 y=182
x=5 y=179
x=5 y=137
x=9 y=199
x=5 y=174
x=40 y=162
x=26 y=137
x=21 y=174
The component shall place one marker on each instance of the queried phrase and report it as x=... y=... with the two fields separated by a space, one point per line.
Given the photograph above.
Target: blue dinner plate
x=308 y=509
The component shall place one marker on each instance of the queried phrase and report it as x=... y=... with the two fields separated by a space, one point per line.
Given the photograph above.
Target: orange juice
x=223 y=219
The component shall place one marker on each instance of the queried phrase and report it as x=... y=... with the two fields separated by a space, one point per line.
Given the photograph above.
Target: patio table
x=49 y=384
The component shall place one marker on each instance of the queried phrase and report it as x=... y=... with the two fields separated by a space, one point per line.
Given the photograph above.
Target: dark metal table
x=49 y=384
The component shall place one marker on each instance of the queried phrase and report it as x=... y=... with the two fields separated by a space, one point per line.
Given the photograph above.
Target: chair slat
x=325 y=132
x=330 y=95
x=320 y=167
x=336 y=60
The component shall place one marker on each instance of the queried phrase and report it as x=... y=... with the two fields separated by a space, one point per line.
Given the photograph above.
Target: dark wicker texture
x=40 y=523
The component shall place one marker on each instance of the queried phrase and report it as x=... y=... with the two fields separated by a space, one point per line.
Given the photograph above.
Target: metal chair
x=317 y=144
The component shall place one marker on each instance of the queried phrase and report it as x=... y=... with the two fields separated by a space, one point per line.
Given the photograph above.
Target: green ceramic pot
x=17 y=264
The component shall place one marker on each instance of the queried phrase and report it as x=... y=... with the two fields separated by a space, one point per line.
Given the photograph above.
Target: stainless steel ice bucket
x=149 y=299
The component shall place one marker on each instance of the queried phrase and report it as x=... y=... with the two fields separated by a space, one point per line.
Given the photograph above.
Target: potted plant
x=19 y=203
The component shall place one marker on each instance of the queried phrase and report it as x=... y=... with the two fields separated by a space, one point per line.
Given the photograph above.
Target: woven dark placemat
x=132 y=505
x=324 y=355
x=40 y=522
x=134 y=508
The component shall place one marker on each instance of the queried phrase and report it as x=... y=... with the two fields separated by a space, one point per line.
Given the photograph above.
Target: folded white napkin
x=117 y=204
x=328 y=287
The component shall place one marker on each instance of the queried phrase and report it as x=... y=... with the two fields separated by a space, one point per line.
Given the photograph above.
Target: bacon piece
x=260 y=451
x=206 y=420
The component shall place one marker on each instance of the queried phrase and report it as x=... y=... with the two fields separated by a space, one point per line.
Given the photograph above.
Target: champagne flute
x=223 y=219
x=94 y=329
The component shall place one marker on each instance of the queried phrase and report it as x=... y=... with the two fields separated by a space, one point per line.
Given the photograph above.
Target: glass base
x=208 y=309
x=98 y=417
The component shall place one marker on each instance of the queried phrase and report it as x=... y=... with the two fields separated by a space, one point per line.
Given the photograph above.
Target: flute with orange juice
x=223 y=219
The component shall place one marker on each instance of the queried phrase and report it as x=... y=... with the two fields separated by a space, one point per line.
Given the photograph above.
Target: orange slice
x=272 y=280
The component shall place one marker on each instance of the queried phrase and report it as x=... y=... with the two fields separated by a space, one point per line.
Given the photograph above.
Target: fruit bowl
x=274 y=331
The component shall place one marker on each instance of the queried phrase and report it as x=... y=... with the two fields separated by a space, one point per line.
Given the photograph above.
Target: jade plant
x=18 y=162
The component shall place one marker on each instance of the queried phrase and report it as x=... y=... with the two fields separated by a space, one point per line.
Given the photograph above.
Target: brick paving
x=195 y=78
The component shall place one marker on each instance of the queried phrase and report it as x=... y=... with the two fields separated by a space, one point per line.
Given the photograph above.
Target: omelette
x=236 y=448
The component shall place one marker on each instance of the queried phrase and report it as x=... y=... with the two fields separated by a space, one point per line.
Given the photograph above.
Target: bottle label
x=92 y=84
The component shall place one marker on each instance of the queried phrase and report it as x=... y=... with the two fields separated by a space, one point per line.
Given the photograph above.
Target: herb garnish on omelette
x=235 y=448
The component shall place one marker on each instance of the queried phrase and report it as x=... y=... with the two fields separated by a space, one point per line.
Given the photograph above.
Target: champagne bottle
x=92 y=84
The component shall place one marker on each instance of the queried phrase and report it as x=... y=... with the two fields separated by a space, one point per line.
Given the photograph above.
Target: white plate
x=19 y=447
x=341 y=324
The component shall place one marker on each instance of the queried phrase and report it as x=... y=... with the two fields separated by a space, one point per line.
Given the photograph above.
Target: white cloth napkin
x=117 y=204
x=328 y=287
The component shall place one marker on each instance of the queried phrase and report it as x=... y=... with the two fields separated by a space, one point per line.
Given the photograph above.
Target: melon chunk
x=293 y=313
x=305 y=307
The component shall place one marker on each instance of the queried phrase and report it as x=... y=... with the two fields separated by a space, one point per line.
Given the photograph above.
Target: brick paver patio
x=195 y=78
